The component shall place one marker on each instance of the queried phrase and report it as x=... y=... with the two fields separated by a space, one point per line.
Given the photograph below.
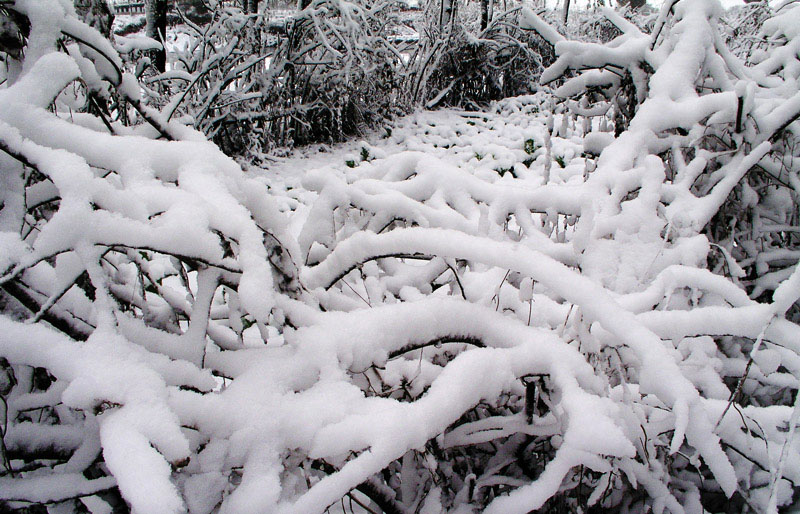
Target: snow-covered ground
x=504 y=146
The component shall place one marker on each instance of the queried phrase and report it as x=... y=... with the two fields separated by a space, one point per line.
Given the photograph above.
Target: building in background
x=128 y=7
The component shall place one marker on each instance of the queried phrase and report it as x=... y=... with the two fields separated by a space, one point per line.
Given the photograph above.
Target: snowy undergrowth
x=499 y=311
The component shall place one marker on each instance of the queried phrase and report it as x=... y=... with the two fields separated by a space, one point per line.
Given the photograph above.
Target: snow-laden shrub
x=669 y=264
x=336 y=72
x=114 y=244
x=325 y=73
x=501 y=61
x=552 y=330
x=741 y=25
x=462 y=63
x=713 y=144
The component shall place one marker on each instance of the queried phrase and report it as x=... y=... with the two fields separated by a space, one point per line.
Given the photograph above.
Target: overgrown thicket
x=467 y=58
x=253 y=83
x=608 y=320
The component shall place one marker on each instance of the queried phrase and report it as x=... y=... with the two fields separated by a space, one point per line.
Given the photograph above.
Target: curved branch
x=368 y=488
x=470 y=340
x=63 y=324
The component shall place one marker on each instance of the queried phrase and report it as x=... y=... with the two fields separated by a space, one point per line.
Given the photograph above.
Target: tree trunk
x=566 y=11
x=156 y=28
x=96 y=14
x=447 y=13
x=484 y=14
